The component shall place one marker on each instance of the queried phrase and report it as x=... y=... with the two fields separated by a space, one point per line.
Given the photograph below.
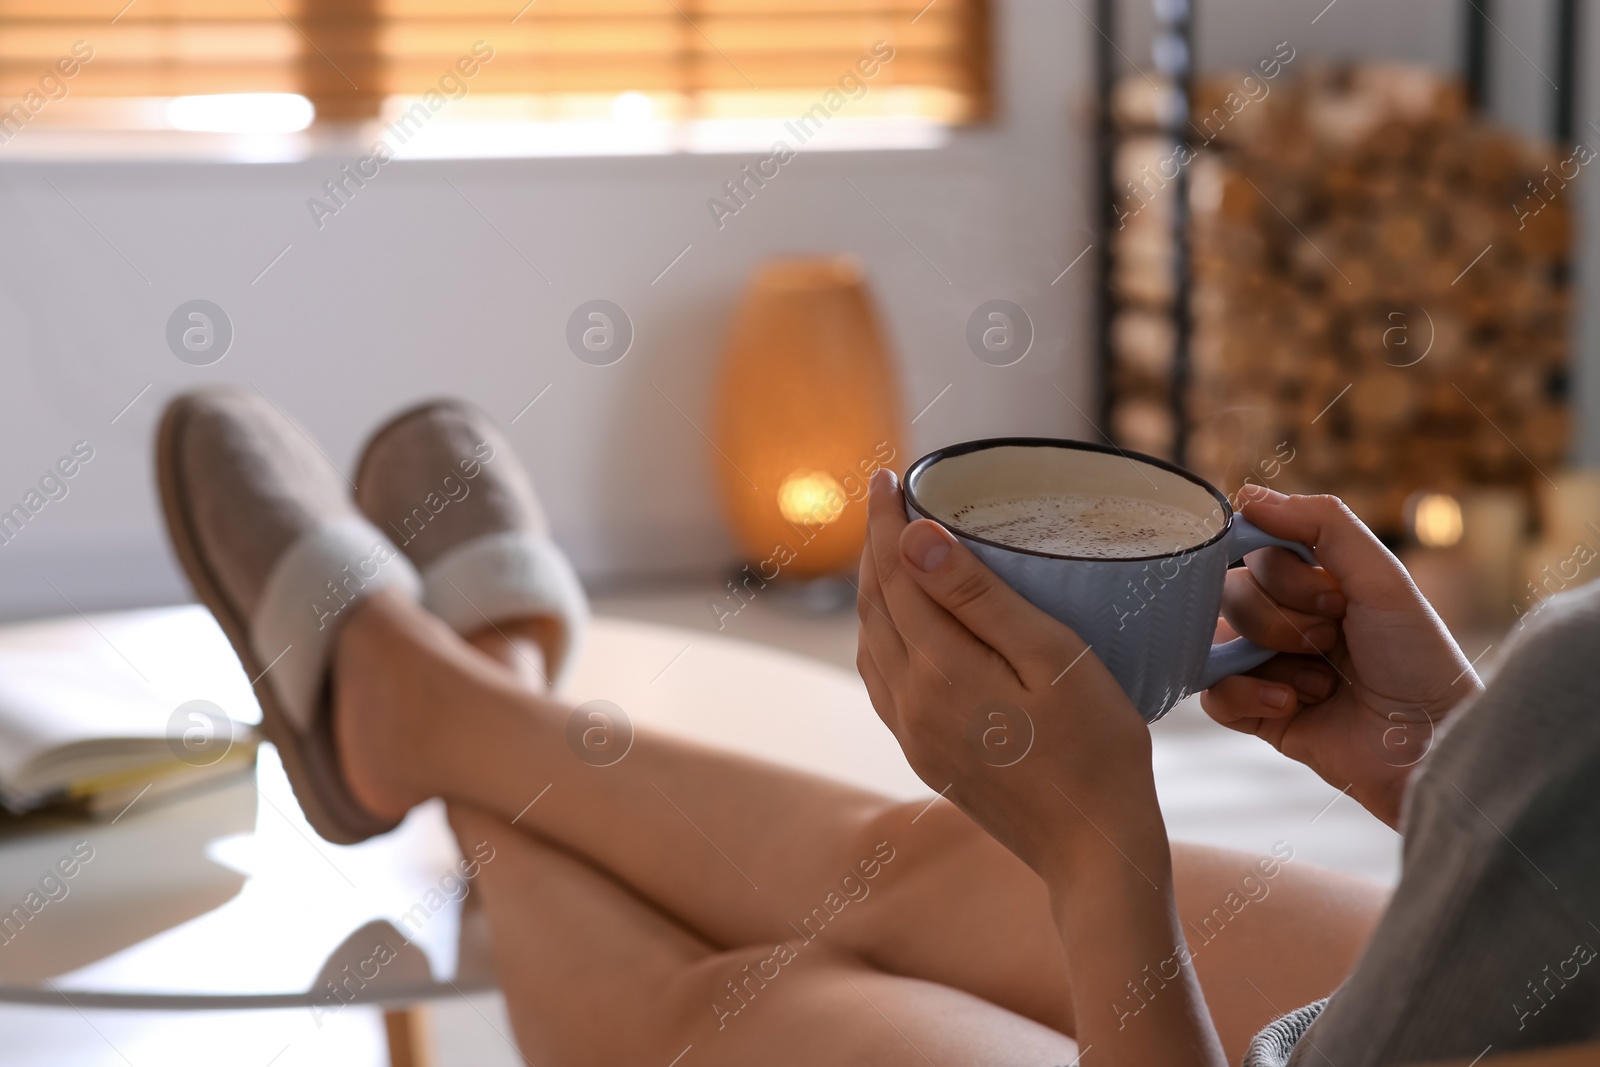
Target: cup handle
x=1242 y=654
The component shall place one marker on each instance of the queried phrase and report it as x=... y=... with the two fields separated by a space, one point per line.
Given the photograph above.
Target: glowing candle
x=1436 y=520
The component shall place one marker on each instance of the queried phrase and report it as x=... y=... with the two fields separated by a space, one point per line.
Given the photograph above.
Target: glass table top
x=222 y=897
x=227 y=898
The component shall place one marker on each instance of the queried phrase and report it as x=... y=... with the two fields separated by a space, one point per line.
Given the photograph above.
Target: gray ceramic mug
x=1150 y=619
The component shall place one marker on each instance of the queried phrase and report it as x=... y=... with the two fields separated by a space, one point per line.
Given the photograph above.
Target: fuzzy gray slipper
x=273 y=546
x=445 y=485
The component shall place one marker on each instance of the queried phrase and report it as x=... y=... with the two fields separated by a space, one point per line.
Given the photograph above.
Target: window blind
x=696 y=57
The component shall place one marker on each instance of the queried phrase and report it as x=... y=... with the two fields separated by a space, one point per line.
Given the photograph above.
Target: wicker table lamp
x=806 y=408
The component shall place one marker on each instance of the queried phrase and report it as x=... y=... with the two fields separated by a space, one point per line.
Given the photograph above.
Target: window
x=671 y=71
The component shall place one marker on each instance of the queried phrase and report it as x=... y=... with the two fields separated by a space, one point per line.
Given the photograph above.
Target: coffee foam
x=1099 y=527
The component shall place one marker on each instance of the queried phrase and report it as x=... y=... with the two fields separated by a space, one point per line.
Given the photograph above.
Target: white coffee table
x=226 y=899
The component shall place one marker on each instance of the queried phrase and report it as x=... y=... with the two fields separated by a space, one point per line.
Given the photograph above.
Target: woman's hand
x=1369 y=670
x=997 y=705
x=1006 y=712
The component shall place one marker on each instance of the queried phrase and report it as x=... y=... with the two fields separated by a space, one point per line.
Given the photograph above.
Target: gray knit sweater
x=1491 y=938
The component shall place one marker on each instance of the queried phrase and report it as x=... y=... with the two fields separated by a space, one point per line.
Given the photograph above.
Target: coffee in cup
x=1082 y=525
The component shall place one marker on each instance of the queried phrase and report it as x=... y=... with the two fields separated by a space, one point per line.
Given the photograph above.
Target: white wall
x=410 y=293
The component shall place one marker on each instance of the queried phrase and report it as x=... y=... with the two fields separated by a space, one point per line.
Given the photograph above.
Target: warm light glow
x=811 y=497
x=1437 y=520
x=241 y=113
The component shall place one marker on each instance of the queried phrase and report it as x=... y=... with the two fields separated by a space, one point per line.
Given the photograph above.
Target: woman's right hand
x=1367 y=670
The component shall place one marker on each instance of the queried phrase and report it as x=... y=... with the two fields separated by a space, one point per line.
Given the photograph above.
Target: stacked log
x=1379 y=301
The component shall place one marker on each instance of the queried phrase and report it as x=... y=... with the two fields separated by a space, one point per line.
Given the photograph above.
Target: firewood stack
x=1379 y=295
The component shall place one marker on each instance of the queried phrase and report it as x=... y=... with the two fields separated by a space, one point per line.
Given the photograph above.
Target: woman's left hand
x=1009 y=714
x=998 y=706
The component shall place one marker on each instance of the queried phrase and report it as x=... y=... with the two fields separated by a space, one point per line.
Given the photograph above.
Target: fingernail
x=1330 y=603
x=1274 y=695
x=926 y=544
x=883 y=480
x=1314 y=684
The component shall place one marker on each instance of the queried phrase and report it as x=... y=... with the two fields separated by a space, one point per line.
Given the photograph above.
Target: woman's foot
x=382 y=707
x=276 y=551
x=413 y=702
x=444 y=482
x=522 y=646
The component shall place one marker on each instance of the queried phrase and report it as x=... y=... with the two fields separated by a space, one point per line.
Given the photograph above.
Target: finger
x=930 y=633
x=1251 y=705
x=959 y=583
x=1228 y=708
x=1296 y=584
x=878 y=631
x=1365 y=570
x=1313 y=678
x=1278 y=689
x=1256 y=615
x=1232 y=706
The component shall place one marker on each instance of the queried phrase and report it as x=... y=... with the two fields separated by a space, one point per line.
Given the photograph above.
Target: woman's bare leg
x=735 y=846
x=593 y=974
x=695 y=831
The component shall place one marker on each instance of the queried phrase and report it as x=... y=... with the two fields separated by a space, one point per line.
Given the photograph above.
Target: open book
x=77 y=731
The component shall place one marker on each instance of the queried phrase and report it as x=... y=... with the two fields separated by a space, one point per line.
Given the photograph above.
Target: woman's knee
x=728 y=990
x=904 y=853
x=918 y=828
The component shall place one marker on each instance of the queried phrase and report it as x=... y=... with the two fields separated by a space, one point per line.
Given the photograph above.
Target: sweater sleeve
x=1273 y=1046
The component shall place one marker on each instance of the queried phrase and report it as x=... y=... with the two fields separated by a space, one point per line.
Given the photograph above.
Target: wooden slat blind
x=348 y=55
